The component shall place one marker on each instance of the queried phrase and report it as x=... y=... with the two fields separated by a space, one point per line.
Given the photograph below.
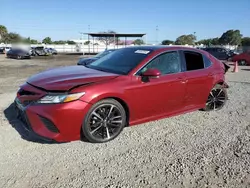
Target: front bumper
x=54 y=122
x=21 y=115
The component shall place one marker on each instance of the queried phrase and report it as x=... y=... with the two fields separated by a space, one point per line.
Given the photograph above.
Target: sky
x=65 y=19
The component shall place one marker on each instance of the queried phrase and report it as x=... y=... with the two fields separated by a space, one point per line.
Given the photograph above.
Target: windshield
x=102 y=54
x=121 y=61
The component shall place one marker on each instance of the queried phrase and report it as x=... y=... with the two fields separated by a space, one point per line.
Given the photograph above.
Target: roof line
x=116 y=34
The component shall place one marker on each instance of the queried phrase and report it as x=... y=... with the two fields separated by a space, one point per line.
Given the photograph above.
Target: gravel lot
x=197 y=149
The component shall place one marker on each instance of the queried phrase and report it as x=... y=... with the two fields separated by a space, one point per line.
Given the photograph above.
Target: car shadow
x=11 y=116
x=245 y=69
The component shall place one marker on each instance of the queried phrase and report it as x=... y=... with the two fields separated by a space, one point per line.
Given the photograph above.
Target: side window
x=207 y=62
x=166 y=63
x=194 y=61
x=219 y=50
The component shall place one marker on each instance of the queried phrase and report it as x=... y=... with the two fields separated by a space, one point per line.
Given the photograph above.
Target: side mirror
x=155 y=73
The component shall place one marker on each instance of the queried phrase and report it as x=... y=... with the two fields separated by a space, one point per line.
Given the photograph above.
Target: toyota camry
x=130 y=86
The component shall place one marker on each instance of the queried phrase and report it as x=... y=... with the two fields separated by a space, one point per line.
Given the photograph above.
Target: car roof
x=163 y=47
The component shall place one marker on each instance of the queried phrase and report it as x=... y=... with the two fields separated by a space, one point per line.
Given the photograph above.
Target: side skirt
x=165 y=115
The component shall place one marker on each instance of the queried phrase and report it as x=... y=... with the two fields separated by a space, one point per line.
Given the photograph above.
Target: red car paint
x=243 y=56
x=161 y=97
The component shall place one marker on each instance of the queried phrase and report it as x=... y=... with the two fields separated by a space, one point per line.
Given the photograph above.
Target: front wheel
x=217 y=99
x=104 y=121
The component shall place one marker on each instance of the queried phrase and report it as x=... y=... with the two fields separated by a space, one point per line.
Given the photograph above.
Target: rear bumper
x=54 y=122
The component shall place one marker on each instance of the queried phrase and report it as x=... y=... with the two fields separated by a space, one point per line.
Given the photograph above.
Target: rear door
x=199 y=77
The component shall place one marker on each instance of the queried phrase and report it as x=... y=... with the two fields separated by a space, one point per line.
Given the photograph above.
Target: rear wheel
x=104 y=121
x=217 y=98
x=242 y=62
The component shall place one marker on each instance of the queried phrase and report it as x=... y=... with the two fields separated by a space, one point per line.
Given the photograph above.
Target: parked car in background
x=200 y=48
x=242 y=58
x=127 y=87
x=220 y=52
x=18 y=54
x=38 y=51
x=51 y=51
x=1 y=50
x=85 y=61
x=4 y=50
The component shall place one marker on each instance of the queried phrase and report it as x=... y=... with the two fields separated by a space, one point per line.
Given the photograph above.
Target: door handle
x=183 y=80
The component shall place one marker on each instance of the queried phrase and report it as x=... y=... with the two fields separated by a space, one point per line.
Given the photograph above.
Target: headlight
x=60 y=98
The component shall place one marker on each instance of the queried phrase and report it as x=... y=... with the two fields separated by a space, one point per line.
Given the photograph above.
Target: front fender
x=99 y=97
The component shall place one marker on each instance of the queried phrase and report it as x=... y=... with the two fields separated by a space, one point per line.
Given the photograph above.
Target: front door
x=162 y=95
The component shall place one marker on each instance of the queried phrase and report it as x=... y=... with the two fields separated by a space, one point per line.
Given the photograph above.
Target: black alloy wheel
x=104 y=121
x=217 y=99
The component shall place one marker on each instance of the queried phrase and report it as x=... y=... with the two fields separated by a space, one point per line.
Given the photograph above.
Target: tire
x=217 y=99
x=99 y=125
x=242 y=62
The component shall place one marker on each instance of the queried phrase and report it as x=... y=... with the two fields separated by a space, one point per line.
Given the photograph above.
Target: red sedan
x=130 y=86
x=243 y=58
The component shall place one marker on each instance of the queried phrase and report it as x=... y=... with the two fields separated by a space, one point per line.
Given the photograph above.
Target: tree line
x=12 y=37
x=230 y=37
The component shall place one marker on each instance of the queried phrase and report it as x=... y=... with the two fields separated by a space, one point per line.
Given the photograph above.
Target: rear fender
x=225 y=85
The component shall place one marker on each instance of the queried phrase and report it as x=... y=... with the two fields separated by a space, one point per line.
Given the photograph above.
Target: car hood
x=65 y=78
x=84 y=61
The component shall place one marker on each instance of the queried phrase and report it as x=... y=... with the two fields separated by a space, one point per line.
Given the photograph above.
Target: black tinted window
x=207 y=62
x=194 y=61
x=121 y=61
x=166 y=63
x=221 y=50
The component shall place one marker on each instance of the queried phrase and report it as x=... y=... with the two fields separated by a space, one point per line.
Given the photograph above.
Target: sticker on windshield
x=142 y=51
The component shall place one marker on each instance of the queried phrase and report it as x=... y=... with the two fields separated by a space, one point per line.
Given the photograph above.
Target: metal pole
x=195 y=37
x=117 y=42
x=88 y=38
x=82 y=45
x=93 y=44
x=88 y=42
x=157 y=34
